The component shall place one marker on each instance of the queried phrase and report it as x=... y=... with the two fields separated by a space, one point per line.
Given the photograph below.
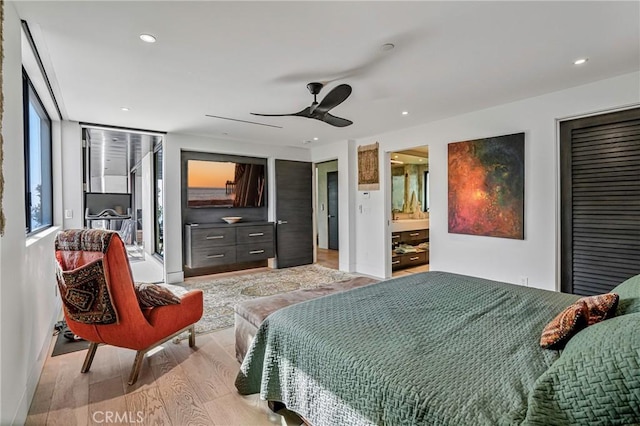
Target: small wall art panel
x=486 y=187
x=368 y=169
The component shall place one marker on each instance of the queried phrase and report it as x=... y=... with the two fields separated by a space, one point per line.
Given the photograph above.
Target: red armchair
x=100 y=303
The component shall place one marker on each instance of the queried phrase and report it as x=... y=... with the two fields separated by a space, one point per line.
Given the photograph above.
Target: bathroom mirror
x=409 y=184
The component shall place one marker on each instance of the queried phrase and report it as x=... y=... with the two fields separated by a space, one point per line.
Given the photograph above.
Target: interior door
x=600 y=170
x=294 y=213
x=332 y=209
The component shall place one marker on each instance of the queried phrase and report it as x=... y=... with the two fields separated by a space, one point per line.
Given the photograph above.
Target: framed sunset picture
x=486 y=187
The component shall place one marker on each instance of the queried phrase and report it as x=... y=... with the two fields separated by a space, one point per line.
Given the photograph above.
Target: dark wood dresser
x=218 y=244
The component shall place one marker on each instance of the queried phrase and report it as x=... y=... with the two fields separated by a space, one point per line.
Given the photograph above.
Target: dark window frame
x=27 y=90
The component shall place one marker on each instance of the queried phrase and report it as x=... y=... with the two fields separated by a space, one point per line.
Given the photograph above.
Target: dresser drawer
x=210 y=237
x=254 y=234
x=409 y=259
x=420 y=234
x=396 y=262
x=211 y=256
x=256 y=251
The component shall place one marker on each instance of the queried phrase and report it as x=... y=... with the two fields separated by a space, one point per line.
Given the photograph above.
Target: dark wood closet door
x=600 y=201
x=294 y=213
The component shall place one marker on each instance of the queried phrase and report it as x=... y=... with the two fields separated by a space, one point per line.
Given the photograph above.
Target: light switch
x=68 y=214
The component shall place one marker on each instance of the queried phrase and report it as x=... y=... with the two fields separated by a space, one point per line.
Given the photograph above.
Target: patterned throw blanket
x=84 y=287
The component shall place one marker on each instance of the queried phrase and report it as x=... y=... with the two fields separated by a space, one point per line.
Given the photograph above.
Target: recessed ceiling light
x=387 y=46
x=420 y=159
x=405 y=112
x=580 y=61
x=395 y=156
x=315 y=139
x=147 y=38
x=124 y=109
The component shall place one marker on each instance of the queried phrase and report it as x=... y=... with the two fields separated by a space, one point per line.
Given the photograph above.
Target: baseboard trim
x=174 y=277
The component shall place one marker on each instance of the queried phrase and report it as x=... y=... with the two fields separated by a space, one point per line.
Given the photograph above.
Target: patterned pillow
x=152 y=295
x=567 y=323
x=600 y=307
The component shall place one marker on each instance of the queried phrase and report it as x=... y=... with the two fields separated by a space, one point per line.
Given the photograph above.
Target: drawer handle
x=395 y=262
x=215 y=237
x=414 y=258
x=395 y=236
x=256 y=251
x=257 y=234
x=213 y=256
x=415 y=234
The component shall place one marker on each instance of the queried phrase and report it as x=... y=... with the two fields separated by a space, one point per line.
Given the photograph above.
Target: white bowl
x=232 y=219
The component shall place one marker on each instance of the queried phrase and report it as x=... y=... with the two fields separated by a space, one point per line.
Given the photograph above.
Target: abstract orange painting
x=486 y=187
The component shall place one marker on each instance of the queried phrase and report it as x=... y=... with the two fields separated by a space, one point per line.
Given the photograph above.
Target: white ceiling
x=233 y=58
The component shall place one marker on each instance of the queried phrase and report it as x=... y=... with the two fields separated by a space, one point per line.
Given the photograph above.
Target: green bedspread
x=432 y=348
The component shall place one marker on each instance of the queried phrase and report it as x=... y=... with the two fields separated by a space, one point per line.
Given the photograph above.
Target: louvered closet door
x=600 y=174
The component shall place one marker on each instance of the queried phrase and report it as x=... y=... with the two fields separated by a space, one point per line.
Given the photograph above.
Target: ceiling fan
x=320 y=111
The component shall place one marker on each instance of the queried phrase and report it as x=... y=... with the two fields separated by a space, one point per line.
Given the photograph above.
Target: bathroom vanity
x=409 y=243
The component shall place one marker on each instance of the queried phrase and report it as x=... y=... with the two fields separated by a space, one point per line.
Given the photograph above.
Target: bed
x=446 y=349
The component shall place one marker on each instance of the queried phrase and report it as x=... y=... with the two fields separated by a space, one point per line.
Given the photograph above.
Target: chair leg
x=192 y=336
x=137 y=364
x=89 y=358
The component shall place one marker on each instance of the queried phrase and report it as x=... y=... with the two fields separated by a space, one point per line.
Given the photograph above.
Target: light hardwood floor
x=328 y=258
x=409 y=271
x=178 y=386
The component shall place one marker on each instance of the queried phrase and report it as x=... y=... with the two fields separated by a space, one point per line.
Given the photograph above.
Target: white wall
x=72 y=174
x=173 y=144
x=495 y=258
x=28 y=301
x=148 y=208
x=322 y=209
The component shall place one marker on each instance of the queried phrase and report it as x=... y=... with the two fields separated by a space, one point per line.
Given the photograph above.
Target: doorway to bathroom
x=327 y=226
x=409 y=226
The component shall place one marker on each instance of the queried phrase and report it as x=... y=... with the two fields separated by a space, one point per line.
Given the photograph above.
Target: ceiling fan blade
x=334 y=98
x=336 y=121
x=304 y=113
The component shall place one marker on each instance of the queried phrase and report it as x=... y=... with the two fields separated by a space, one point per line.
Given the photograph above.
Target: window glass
x=38 y=175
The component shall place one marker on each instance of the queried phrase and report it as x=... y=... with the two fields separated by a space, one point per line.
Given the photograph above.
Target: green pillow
x=596 y=380
x=629 y=292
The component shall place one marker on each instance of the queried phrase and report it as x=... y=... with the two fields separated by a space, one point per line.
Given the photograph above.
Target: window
x=37 y=164
x=159 y=238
